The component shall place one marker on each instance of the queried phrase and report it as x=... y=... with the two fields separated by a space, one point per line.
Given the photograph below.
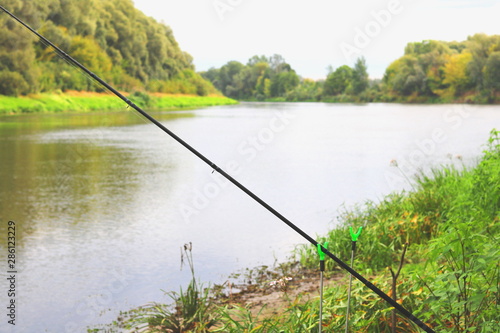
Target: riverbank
x=73 y=101
x=434 y=250
x=372 y=97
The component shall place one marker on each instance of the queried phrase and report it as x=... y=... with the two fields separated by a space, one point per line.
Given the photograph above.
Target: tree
x=261 y=78
x=56 y=34
x=267 y=88
x=405 y=76
x=213 y=75
x=244 y=83
x=425 y=47
x=359 y=76
x=283 y=83
x=420 y=71
x=229 y=70
x=262 y=86
x=338 y=81
x=12 y=83
x=277 y=64
x=307 y=90
x=257 y=59
x=86 y=51
x=479 y=46
x=455 y=72
x=111 y=37
x=225 y=77
x=492 y=73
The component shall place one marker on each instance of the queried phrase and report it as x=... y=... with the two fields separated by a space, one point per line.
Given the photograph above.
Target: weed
x=192 y=310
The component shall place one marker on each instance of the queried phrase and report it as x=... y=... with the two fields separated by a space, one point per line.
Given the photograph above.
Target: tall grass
x=452 y=225
x=191 y=311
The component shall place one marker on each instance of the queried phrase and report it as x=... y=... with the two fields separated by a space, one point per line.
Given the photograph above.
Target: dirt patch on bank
x=272 y=292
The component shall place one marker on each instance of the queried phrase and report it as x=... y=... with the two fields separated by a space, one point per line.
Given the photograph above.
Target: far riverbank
x=73 y=101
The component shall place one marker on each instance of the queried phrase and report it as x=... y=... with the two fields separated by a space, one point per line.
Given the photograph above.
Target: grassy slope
x=450 y=279
x=85 y=102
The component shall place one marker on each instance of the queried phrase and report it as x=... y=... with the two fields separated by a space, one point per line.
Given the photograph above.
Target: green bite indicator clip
x=322 y=256
x=355 y=236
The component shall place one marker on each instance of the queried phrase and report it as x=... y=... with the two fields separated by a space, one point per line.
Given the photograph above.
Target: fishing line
x=212 y=165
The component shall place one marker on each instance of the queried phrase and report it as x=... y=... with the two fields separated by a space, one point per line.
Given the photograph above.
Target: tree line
x=111 y=37
x=467 y=71
x=429 y=71
x=134 y=52
x=272 y=78
x=261 y=78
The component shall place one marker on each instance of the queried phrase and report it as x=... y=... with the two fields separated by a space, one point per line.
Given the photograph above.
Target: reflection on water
x=103 y=202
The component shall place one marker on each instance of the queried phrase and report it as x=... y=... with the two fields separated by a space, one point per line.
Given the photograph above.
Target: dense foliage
x=271 y=78
x=110 y=37
x=429 y=71
x=262 y=78
x=467 y=71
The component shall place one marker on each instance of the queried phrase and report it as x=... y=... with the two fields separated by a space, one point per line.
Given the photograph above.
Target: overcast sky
x=313 y=34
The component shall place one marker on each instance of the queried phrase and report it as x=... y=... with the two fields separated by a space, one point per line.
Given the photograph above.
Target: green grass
x=190 y=101
x=87 y=102
x=451 y=275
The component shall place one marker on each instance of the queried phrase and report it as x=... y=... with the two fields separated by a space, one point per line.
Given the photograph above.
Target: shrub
x=12 y=84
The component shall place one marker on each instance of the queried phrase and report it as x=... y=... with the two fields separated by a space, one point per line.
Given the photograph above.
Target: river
x=103 y=202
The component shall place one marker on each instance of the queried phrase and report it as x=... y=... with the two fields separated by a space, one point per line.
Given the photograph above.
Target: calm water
x=103 y=202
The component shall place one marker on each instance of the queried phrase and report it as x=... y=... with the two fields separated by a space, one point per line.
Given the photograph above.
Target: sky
x=315 y=34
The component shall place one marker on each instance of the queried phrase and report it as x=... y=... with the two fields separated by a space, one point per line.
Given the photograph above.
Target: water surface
x=103 y=202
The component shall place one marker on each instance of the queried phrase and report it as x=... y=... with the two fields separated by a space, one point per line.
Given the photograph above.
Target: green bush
x=12 y=84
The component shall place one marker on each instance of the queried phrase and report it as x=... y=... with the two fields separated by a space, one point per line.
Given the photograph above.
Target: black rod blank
x=346 y=267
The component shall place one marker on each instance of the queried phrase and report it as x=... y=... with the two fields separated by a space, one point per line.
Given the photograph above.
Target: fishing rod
x=311 y=240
